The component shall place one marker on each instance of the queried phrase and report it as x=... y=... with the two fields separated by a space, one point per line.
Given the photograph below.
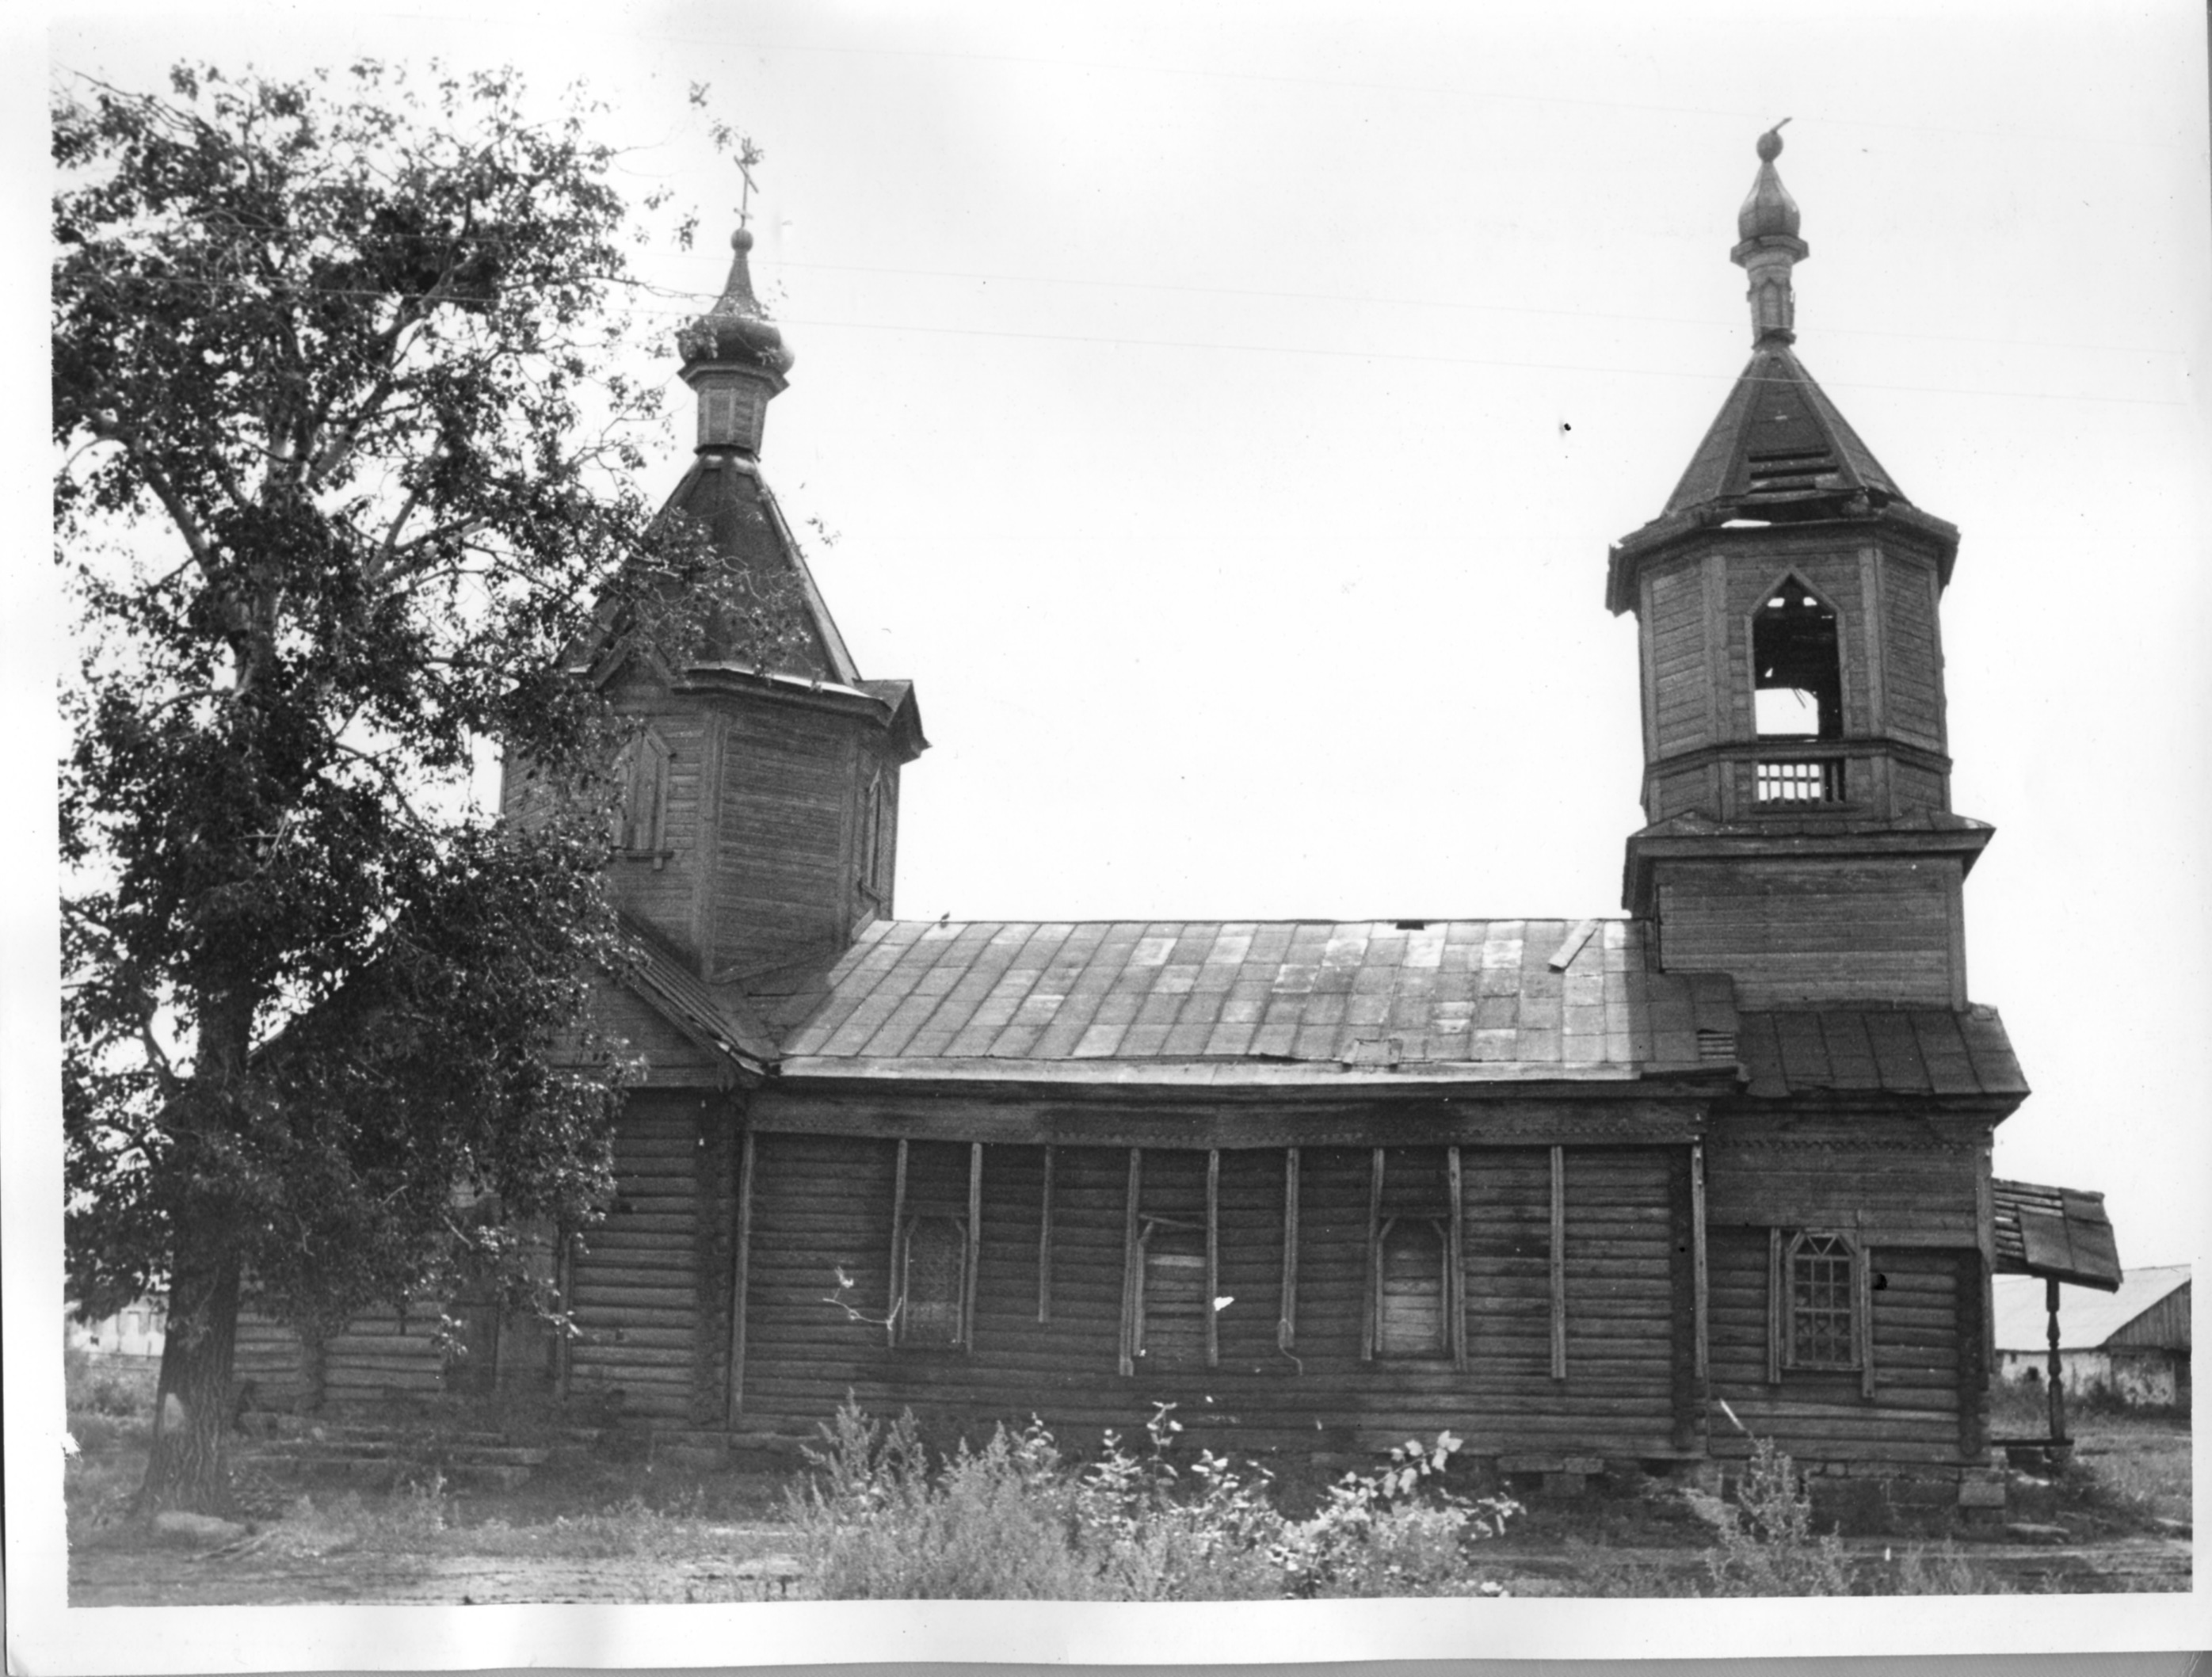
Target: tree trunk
x=192 y=1405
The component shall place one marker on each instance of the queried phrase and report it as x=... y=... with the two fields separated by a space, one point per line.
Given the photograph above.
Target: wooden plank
x=973 y=1258
x=1044 y=1240
x=897 y=1294
x=741 y=1276
x=1571 y=945
x=1701 y=1282
x=1369 y=1296
x=1863 y=1310
x=1212 y=1256
x=1558 y=1263
x=1777 y=1304
x=1286 y=1321
x=1455 y=1260
x=1132 y=1258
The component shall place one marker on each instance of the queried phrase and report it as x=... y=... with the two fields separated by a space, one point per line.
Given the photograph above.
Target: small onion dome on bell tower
x=1770 y=246
x=734 y=359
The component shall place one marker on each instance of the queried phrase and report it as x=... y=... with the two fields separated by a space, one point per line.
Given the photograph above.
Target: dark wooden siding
x=1853 y=1172
x=1833 y=931
x=381 y=1356
x=270 y=1354
x=1913 y=1415
x=1913 y=659
x=1677 y=641
x=791 y=783
x=823 y=1203
x=635 y=1288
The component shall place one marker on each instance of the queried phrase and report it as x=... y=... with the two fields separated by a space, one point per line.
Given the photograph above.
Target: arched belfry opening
x=1798 y=671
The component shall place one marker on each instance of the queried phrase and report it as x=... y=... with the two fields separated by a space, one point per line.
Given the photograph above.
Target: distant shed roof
x=2089 y=1321
x=1136 y=995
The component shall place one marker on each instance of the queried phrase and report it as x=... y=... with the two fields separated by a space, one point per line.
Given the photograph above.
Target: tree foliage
x=346 y=446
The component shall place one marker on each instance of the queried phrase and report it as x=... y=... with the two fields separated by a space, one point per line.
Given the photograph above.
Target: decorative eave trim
x=1745 y=842
x=1673 y=531
x=1422 y=1080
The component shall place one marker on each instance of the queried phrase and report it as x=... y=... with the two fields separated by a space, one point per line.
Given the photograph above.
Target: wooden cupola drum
x=759 y=820
x=1796 y=779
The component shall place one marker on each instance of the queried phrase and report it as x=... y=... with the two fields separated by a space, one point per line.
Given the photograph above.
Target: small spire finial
x=1767 y=226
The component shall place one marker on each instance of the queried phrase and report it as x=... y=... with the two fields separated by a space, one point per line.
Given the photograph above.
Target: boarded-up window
x=1171 y=1318
x=1410 y=1321
x=640 y=821
x=1823 y=1293
x=935 y=1264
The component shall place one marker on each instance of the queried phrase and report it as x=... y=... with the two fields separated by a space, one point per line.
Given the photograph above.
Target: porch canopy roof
x=2061 y=1234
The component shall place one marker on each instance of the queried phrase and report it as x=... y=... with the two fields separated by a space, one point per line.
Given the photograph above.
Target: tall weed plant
x=1766 y=1544
x=1014 y=1520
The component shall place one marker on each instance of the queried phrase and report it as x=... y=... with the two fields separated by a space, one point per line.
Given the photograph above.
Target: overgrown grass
x=880 y=1519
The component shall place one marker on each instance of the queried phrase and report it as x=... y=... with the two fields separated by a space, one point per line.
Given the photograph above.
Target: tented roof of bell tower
x=1780 y=449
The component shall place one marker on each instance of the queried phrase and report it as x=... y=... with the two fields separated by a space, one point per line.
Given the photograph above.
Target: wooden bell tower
x=1796 y=779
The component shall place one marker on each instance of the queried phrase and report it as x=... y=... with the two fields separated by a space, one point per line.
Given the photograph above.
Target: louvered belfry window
x=1823 y=1292
x=936 y=1257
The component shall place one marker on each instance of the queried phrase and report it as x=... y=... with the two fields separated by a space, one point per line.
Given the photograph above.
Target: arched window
x=640 y=820
x=933 y=1311
x=1824 y=1326
x=1409 y=1316
x=1797 y=678
x=1172 y=1309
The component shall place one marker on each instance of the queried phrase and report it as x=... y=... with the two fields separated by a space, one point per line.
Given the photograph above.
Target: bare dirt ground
x=587 y=1528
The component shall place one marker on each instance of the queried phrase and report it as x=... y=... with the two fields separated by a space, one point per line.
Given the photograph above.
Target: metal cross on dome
x=748 y=155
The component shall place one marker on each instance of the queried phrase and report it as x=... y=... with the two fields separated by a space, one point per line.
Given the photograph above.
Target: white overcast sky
x=1224 y=412
x=1224 y=417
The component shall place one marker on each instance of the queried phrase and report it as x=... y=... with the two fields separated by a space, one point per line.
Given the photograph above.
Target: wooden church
x=1581 y=1192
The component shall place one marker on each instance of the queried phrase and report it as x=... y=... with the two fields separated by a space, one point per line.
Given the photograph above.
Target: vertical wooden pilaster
x=564 y=1356
x=1132 y=1255
x=1558 y=1263
x=1700 y=1267
x=1044 y=1242
x=741 y=1258
x=1778 y=1307
x=1286 y=1321
x=2057 y=1367
x=1368 y=1301
x=1863 y=1304
x=895 y=1305
x=1213 y=1256
x=974 y=1255
x=1455 y=1260
x=715 y=1176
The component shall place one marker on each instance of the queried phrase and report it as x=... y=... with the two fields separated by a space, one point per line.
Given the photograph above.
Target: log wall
x=1819 y=929
x=634 y=1282
x=823 y=1206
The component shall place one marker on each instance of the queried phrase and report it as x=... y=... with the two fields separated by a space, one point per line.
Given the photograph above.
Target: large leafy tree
x=345 y=449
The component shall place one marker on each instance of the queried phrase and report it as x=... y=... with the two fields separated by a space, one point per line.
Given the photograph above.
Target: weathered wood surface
x=636 y=1284
x=823 y=1203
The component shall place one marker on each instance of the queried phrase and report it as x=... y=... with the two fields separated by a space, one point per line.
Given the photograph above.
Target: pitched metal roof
x=1907 y=1050
x=1778 y=440
x=2061 y=1234
x=715 y=1016
x=2085 y=1321
x=1482 y=995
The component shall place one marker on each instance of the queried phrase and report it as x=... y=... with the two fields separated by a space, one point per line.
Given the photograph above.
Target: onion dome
x=1770 y=246
x=734 y=359
x=1770 y=209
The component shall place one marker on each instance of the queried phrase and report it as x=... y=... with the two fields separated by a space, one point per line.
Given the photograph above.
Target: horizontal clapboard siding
x=1913 y=1415
x=381 y=1356
x=633 y=1286
x=270 y=1355
x=1913 y=661
x=822 y=1205
x=1790 y=930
